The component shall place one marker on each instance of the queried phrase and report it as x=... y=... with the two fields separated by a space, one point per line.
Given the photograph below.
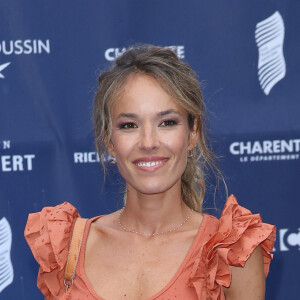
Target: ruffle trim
x=48 y=234
x=239 y=233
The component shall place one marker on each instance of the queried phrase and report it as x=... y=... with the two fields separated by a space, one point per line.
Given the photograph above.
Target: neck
x=154 y=213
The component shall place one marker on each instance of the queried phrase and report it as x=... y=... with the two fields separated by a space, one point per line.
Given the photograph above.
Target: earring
x=190 y=154
x=113 y=160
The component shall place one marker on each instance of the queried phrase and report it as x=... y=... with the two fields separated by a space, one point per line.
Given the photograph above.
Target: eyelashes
x=169 y=123
x=128 y=125
x=131 y=125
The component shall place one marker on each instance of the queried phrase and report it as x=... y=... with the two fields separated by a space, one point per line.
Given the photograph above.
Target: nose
x=149 y=139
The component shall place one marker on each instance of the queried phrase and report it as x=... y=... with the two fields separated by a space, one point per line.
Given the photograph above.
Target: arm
x=248 y=283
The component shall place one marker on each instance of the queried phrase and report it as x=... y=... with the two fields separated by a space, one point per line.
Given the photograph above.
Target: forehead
x=144 y=94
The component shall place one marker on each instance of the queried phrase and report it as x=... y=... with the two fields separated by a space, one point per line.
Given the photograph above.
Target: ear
x=110 y=149
x=109 y=146
x=193 y=136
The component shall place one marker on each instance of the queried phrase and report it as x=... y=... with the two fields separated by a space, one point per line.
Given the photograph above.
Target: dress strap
x=74 y=251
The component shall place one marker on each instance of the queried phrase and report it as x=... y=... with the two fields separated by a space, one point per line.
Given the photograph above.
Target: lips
x=150 y=158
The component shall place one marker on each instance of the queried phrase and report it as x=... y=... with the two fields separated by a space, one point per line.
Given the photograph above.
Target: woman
x=148 y=116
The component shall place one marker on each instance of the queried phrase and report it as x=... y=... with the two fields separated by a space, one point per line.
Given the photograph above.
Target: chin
x=152 y=188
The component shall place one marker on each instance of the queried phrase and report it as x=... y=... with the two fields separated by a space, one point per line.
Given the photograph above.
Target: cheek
x=178 y=142
x=122 y=146
x=178 y=146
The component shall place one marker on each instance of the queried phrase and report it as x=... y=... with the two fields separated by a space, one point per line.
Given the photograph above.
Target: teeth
x=149 y=164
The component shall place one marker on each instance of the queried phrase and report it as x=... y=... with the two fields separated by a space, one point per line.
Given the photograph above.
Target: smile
x=149 y=163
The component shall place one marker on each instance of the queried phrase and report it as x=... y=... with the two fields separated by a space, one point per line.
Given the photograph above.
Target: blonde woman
x=148 y=116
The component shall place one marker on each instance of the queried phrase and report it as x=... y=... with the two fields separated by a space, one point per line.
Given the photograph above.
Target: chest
x=127 y=269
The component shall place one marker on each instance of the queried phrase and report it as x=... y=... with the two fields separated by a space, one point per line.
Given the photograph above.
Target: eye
x=128 y=125
x=169 y=123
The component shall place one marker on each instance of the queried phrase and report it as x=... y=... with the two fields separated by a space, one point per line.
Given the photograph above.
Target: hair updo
x=180 y=81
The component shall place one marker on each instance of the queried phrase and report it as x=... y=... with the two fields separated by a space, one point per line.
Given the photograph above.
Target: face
x=150 y=137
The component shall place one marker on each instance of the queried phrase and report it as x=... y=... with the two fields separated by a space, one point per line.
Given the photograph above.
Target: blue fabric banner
x=246 y=55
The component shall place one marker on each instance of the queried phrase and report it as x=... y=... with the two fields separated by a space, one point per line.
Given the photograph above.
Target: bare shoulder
x=101 y=227
x=107 y=220
x=248 y=283
x=196 y=220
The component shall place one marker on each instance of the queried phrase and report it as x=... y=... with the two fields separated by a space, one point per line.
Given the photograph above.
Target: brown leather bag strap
x=74 y=251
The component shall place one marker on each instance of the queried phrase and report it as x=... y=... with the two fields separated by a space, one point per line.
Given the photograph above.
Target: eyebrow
x=160 y=114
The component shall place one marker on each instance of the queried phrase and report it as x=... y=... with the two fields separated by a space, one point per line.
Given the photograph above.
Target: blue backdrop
x=247 y=57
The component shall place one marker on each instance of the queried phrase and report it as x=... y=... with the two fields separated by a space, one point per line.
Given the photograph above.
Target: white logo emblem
x=2 y=67
x=288 y=239
x=269 y=36
x=6 y=268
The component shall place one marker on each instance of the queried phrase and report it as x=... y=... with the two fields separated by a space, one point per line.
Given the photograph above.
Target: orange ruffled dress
x=205 y=269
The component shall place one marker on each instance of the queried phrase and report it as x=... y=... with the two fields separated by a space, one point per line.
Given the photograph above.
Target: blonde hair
x=180 y=81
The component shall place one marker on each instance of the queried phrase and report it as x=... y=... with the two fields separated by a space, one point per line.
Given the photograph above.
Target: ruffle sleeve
x=48 y=234
x=238 y=233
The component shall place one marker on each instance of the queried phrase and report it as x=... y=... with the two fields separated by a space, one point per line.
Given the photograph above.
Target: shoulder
x=238 y=237
x=48 y=234
x=101 y=230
